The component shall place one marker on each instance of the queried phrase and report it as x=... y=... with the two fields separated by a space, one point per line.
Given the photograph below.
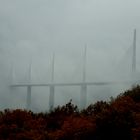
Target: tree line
x=116 y=119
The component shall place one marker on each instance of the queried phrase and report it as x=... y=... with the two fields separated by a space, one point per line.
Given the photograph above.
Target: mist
x=32 y=30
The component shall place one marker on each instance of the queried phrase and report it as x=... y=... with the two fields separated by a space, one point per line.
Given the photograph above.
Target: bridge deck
x=74 y=84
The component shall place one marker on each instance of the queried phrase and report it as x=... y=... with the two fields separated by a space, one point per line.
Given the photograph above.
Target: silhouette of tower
x=52 y=89
x=28 y=100
x=13 y=79
x=134 y=56
x=84 y=86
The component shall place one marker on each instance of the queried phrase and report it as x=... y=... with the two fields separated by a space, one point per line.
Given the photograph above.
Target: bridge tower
x=134 y=56
x=52 y=88
x=28 y=99
x=83 y=100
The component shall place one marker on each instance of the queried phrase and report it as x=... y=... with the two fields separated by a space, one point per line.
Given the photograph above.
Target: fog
x=32 y=30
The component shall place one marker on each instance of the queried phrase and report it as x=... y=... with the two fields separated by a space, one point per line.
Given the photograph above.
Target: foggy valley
x=31 y=31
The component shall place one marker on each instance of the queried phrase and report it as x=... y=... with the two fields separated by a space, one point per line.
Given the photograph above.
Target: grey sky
x=34 y=29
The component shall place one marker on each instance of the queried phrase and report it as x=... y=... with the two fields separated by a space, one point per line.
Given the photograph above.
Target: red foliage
x=117 y=119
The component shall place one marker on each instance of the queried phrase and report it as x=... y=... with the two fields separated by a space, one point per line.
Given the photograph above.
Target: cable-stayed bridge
x=83 y=85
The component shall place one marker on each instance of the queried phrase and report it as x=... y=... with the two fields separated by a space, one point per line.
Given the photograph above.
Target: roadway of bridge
x=75 y=84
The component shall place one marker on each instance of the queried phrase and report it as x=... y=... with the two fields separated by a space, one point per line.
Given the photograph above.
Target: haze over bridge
x=83 y=85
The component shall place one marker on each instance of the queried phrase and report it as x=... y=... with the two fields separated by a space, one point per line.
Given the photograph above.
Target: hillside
x=118 y=119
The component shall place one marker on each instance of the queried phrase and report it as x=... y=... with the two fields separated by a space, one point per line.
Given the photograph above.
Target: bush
x=117 y=119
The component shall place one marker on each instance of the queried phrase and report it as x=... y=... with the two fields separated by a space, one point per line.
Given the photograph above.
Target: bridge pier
x=51 y=97
x=28 y=105
x=83 y=100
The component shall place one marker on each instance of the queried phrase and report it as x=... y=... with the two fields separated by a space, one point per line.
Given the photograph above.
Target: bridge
x=83 y=85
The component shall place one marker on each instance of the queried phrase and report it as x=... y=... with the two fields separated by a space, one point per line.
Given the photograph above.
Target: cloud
x=31 y=30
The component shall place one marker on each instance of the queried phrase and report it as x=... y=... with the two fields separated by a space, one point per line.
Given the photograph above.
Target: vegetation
x=118 y=119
